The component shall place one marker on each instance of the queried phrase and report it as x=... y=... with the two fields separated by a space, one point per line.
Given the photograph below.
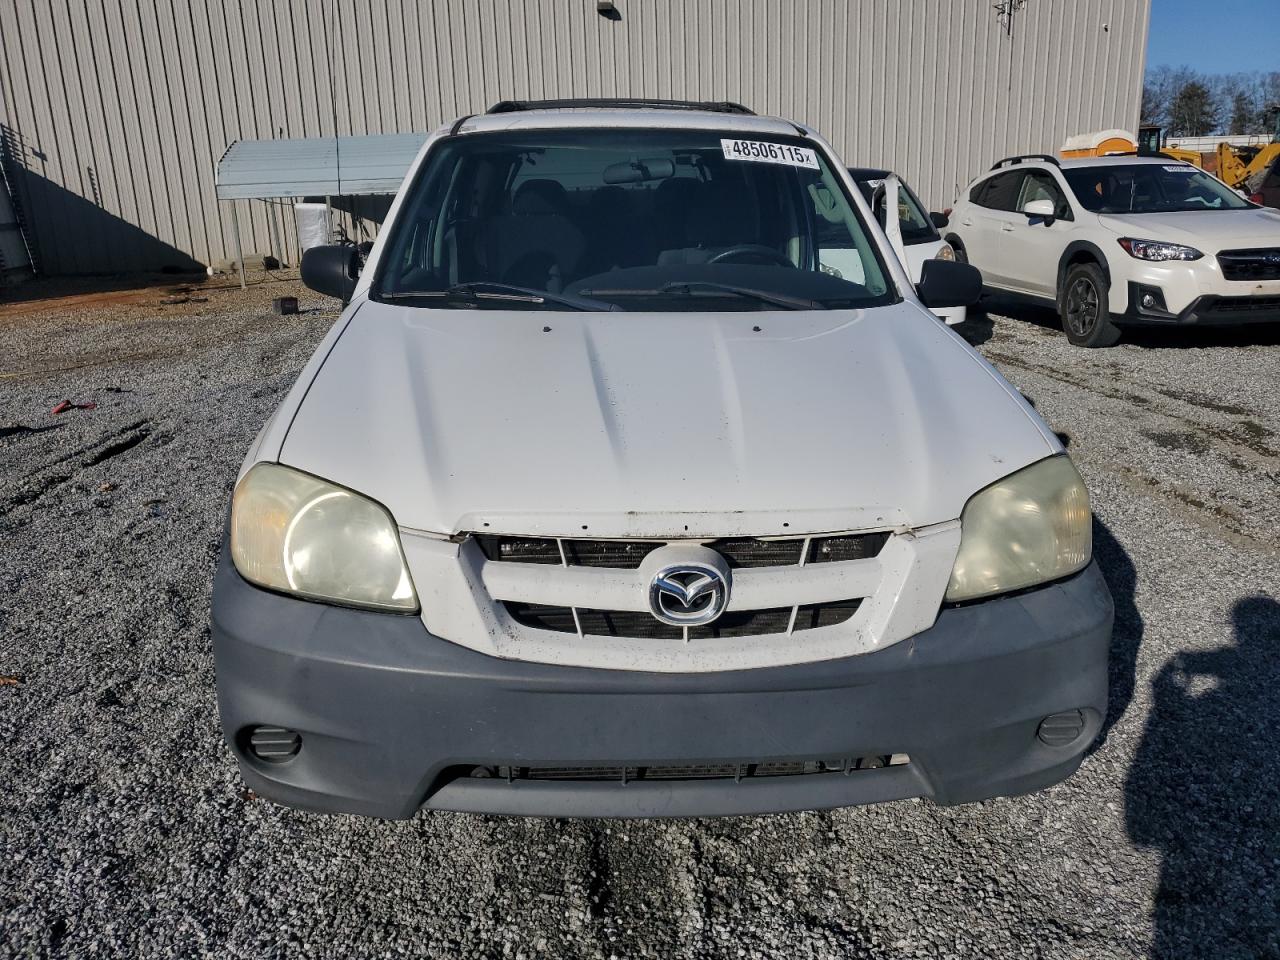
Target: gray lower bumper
x=389 y=714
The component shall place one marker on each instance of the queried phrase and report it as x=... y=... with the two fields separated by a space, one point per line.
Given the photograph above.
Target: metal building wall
x=114 y=112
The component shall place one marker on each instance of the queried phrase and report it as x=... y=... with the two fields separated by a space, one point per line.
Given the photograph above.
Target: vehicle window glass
x=566 y=210
x=1150 y=188
x=1002 y=191
x=1040 y=185
x=913 y=219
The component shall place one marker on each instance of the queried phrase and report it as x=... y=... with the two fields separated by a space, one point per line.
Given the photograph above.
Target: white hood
x=1207 y=230
x=632 y=424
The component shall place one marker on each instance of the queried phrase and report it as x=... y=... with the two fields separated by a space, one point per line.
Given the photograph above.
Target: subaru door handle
x=966 y=222
x=1007 y=227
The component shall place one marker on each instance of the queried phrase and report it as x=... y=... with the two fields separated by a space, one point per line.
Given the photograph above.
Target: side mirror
x=939 y=220
x=948 y=283
x=332 y=270
x=1043 y=209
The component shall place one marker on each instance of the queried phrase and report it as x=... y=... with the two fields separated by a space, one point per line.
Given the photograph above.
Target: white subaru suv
x=603 y=497
x=1121 y=241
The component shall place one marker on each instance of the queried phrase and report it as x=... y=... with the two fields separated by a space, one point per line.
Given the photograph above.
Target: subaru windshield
x=631 y=219
x=1150 y=188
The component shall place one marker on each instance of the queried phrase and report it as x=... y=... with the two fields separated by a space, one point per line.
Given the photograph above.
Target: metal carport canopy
x=316 y=166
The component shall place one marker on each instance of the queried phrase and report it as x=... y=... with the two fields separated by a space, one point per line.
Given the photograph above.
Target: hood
x=660 y=425
x=1207 y=230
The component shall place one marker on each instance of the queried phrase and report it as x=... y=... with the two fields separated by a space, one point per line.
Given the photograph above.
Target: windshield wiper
x=687 y=287
x=476 y=290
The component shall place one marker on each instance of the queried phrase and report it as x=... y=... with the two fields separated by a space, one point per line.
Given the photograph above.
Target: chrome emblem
x=688 y=594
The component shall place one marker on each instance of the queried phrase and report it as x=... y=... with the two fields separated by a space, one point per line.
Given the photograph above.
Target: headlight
x=1031 y=527
x=1157 y=250
x=295 y=533
x=945 y=252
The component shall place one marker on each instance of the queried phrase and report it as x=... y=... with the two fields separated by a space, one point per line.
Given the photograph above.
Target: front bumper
x=391 y=718
x=1208 y=310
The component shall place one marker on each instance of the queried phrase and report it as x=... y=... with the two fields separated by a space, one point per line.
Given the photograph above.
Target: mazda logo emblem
x=688 y=594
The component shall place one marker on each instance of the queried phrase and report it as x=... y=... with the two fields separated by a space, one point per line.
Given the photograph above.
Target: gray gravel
x=125 y=830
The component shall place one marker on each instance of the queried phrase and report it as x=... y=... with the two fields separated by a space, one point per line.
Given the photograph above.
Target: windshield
x=632 y=219
x=913 y=221
x=1150 y=188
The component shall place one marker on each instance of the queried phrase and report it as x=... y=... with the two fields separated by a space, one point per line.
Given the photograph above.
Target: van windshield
x=654 y=219
x=1150 y=188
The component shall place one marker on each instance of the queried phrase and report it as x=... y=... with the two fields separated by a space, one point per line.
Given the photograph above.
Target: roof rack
x=632 y=103
x=1046 y=157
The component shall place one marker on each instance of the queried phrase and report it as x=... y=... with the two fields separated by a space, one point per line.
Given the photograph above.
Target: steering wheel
x=757 y=250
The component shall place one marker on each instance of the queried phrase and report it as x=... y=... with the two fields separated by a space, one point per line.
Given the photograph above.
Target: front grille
x=787 y=555
x=740 y=552
x=691 y=771
x=1260 y=264
x=642 y=625
x=1244 y=305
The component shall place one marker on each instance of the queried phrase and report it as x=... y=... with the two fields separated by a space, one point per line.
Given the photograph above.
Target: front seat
x=536 y=245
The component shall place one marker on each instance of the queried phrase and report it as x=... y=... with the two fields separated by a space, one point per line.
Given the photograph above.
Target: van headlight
x=945 y=252
x=296 y=533
x=1031 y=527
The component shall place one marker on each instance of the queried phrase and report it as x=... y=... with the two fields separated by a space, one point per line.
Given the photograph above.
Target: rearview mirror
x=949 y=283
x=332 y=270
x=639 y=171
x=939 y=220
x=1039 y=208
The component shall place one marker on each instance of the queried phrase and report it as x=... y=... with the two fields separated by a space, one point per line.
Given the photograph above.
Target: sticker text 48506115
x=761 y=151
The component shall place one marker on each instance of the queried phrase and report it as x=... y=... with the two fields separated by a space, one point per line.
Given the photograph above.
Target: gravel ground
x=126 y=831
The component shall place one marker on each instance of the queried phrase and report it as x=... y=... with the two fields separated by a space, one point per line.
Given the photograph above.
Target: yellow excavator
x=1116 y=143
x=1151 y=143
x=1253 y=168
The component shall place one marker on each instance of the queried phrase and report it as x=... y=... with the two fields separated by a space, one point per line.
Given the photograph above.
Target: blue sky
x=1215 y=37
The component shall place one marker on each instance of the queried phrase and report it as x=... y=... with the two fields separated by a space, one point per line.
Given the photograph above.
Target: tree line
x=1191 y=104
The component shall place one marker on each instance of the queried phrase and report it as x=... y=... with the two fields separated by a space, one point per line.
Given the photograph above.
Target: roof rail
x=1046 y=157
x=631 y=103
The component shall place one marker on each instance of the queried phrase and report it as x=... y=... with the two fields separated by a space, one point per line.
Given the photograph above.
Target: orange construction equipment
x=1106 y=143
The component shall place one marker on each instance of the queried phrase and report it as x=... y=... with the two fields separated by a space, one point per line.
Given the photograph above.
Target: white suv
x=606 y=496
x=1119 y=241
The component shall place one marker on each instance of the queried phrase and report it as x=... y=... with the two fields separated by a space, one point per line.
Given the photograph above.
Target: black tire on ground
x=1082 y=305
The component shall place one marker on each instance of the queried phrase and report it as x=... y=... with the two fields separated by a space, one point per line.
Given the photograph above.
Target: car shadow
x=1126 y=636
x=1204 y=791
x=978 y=327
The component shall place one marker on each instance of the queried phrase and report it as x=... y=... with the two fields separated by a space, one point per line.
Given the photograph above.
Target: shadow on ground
x=1204 y=791
x=1126 y=637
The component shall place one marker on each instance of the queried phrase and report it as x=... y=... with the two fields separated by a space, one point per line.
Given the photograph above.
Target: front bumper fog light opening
x=274 y=744
x=1061 y=729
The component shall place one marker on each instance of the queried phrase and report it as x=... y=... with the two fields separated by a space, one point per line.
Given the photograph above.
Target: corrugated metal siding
x=117 y=111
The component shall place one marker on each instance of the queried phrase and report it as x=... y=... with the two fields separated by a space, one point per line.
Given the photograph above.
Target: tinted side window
x=1002 y=191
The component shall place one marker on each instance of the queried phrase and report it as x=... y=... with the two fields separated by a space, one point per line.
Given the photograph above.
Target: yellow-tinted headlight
x=1031 y=527
x=298 y=534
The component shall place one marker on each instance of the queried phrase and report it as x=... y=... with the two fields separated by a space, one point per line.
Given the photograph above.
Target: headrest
x=539 y=198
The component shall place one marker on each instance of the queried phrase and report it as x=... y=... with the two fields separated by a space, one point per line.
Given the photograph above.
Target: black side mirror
x=947 y=283
x=940 y=220
x=332 y=270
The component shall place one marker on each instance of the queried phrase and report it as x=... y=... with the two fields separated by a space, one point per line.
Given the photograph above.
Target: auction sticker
x=763 y=152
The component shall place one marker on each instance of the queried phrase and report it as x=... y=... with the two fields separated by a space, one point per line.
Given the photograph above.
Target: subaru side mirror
x=1039 y=210
x=939 y=220
x=332 y=270
x=949 y=283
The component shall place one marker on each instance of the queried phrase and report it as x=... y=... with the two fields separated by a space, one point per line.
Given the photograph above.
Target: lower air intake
x=693 y=771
